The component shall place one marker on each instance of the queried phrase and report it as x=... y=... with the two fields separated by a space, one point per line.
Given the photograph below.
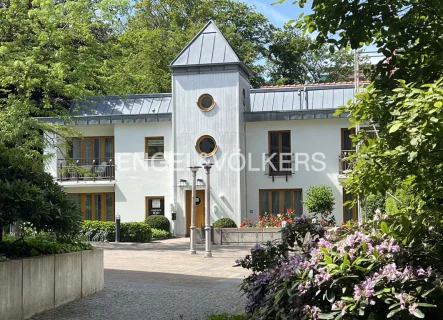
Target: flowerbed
x=270 y=220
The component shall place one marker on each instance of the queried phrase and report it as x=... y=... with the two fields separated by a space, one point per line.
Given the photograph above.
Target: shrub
x=158 y=222
x=160 y=234
x=129 y=231
x=225 y=223
x=368 y=271
x=43 y=243
x=320 y=200
x=29 y=194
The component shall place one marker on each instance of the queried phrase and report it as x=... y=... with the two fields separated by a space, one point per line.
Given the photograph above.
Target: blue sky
x=278 y=14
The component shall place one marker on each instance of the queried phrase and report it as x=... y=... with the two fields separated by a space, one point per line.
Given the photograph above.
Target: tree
x=320 y=200
x=407 y=33
x=51 y=54
x=157 y=30
x=294 y=58
x=405 y=100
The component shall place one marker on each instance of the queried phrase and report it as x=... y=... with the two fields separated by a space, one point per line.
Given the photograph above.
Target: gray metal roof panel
x=208 y=46
x=129 y=105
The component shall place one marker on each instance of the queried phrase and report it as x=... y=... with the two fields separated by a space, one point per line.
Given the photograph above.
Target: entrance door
x=199 y=210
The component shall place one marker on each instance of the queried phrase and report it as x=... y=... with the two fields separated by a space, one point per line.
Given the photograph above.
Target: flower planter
x=33 y=285
x=246 y=236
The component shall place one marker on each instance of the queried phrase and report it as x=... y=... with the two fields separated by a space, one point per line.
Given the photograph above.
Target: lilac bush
x=354 y=272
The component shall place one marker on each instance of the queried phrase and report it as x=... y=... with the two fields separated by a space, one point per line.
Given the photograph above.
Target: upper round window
x=206 y=146
x=206 y=102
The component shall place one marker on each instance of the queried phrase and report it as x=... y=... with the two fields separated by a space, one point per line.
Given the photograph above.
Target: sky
x=278 y=14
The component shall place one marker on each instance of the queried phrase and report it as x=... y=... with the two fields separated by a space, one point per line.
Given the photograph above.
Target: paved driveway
x=161 y=280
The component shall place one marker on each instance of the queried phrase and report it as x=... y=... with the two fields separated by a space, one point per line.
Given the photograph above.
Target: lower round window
x=206 y=146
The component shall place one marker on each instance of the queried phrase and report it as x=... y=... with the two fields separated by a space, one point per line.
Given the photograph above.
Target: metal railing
x=345 y=165
x=85 y=170
x=279 y=165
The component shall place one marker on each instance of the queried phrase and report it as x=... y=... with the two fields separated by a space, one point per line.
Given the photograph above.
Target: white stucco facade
x=239 y=122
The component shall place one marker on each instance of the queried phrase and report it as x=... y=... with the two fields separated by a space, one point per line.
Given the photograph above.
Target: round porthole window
x=206 y=146
x=206 y=102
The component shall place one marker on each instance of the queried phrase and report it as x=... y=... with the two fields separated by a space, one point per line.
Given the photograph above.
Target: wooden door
x=199 y=208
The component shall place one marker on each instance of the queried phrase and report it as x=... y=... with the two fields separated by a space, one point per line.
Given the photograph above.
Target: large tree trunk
x=1 y=232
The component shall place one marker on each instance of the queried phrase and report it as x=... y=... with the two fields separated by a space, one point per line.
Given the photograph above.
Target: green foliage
x=320 y=200
x=225 y=223
x=159 y=29
x=40 y=244
x=406 y=156
x=129 y=231
x=158 y=222
x=293 y=58
x=42 y=72
x=28 y=194
x=160 y=234
x=371 y=203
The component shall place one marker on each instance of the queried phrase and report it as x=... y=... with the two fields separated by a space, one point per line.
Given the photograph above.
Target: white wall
x=137 y=178
x=307 y=136
x=224 y=124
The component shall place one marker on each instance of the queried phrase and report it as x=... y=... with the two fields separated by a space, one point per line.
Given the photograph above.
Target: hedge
x=129 y=231
x=12 y=248
x=158 y=222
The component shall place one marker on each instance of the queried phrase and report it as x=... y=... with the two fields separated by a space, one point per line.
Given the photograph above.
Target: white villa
x=267 y=146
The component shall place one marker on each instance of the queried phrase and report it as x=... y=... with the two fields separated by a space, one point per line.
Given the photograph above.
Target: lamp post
x=193 y=196
x=208 y=253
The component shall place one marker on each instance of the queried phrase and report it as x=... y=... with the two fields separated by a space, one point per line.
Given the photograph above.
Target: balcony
x=345 y=165
x=77 y=170
x=279 y=165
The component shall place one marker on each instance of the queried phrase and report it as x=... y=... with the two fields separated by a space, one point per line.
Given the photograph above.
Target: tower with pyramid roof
x=210 y=92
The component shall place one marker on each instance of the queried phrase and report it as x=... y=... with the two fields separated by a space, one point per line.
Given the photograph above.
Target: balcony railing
x=279 y=164
x=85 y=170
x=345 y=165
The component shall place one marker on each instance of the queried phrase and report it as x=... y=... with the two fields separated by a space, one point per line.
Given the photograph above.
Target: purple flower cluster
x=387 y=247
x=407 y=301
x=313 y=311
x=366 y=289
x=390 y=272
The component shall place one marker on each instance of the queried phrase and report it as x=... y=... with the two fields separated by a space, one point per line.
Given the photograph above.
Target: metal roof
x=208 y=47
x=128 y=105
x=301 y=98
x=261 y=100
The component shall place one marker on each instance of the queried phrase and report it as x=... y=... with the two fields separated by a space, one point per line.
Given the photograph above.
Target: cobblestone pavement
x=161 y=280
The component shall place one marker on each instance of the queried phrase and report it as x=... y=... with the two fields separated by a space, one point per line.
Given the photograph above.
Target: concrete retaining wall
x=242 y=235
x=33 y=285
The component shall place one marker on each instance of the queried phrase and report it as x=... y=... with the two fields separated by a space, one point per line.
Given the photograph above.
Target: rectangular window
x=349 y=213
x=87 y=149
x=278 y=201
x=154 y=147
x=279 y=147
x=346 y=141
x=95 y=206
x=155 y=206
